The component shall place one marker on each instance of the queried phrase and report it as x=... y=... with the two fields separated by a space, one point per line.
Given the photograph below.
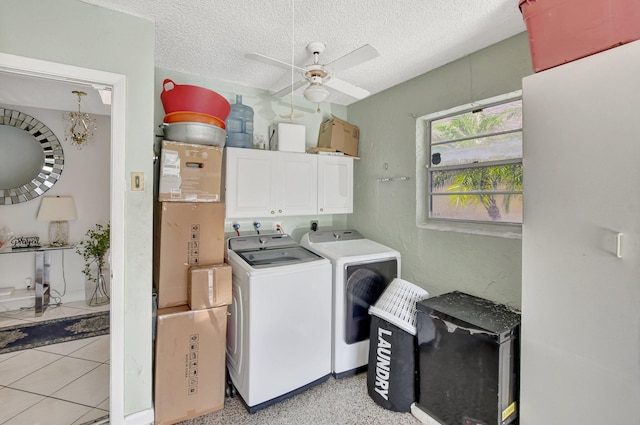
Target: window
x=474 y=169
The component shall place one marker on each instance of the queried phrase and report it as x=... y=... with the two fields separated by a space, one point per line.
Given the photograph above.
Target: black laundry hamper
x=392 y=375
x=468 y=360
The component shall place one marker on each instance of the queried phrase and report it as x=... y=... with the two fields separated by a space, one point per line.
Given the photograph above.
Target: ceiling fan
x=319 y=75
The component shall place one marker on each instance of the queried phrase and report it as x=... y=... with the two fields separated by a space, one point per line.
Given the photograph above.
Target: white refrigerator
x=581 y=232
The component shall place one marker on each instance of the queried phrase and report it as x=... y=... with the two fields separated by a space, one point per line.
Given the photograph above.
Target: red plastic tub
x=561 y=31
x=183 y=97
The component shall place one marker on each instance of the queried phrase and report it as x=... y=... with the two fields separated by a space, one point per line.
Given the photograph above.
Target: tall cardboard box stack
x=192 y=282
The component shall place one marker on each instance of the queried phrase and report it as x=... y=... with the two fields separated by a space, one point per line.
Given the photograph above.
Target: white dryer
x=279 y=328
x=362 y=269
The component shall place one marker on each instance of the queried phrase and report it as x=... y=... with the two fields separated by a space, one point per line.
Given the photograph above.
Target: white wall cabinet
x=262 y=183
x=335 y=184
x=581 y=242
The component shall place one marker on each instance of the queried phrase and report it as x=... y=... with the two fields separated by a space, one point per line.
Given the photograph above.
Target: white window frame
x=423 y=149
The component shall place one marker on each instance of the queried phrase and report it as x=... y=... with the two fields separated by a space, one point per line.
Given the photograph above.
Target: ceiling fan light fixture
x=316 y=93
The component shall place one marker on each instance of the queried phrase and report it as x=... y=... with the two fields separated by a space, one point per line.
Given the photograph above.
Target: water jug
x=240 y=125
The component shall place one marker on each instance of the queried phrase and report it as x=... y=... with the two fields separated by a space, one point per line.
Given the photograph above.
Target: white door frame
x=55 y=71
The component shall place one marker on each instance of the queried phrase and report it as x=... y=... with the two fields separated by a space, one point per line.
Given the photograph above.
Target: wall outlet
x=314 y=225
x=28 y=283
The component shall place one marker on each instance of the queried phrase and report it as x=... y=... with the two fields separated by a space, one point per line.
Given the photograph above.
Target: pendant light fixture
x=316 y=92
x=80 y=125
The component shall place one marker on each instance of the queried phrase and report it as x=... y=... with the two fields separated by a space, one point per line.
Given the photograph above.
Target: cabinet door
x=335 y=184
x=580 y=289
x=250 y=183
x=296 y=187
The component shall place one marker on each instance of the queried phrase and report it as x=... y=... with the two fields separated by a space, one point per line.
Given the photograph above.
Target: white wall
x=439 y=261
x=85 y=177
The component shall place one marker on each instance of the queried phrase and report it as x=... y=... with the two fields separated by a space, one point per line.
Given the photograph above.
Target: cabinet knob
x=279 y=211
x=273 y=212
x=321 y=209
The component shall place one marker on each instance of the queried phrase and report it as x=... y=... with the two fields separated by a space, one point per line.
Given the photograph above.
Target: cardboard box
x=189 y=172
x=189 y=363
x=209 y=286
x=185 y=234
x=563 y=31
x=287 y=137
x=339 y=135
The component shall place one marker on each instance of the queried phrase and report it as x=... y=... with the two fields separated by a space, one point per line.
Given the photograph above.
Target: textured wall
x=438 y=260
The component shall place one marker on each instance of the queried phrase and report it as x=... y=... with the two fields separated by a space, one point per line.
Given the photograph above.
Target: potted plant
x=93 y=250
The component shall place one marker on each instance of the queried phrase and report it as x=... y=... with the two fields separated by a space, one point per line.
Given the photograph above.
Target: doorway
x=60 y=72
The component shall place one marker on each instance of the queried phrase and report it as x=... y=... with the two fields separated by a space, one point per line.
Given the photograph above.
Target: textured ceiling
x=211 y=38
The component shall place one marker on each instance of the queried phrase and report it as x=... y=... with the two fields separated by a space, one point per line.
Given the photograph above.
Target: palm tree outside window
x=475 y=164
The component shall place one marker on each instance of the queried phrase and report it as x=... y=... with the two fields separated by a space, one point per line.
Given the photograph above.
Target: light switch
x=137 y=181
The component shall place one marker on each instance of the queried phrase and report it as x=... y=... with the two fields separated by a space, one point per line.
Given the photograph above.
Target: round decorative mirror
x=31 y=160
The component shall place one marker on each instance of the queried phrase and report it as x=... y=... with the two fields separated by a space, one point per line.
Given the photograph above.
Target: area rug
x=54 y=331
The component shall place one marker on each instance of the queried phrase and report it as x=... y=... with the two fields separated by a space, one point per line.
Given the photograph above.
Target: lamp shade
x=316 y=93
x=59 y=208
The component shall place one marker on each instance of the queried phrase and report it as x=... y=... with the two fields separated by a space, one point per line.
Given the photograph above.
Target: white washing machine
x=279 y=328
x=362 y=269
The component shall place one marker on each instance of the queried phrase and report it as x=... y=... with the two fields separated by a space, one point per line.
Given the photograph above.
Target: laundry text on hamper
x=382 y=365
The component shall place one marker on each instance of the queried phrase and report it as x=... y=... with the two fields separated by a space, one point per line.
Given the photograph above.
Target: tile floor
x=66 y=383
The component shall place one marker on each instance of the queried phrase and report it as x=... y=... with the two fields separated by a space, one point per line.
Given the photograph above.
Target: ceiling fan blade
x=346 y=88
x=358 y=56
x=271 y=61
x=287 y=90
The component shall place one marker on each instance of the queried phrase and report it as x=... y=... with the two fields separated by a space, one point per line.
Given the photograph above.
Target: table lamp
x=58 y=210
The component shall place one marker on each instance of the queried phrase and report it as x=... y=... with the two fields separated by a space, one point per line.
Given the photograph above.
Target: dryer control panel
x=323 y=236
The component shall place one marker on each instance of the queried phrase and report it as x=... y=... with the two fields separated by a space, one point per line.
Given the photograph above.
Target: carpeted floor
x=335 y=402
x=54 y=331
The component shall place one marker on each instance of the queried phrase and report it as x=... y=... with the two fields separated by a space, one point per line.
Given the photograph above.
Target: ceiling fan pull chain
x=293 y=45
x=292 y=115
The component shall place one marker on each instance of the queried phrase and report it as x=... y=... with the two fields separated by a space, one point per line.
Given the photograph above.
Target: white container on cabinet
x=287 y=137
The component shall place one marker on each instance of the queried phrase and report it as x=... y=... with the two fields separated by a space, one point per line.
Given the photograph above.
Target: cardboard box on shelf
x=287 y=137
x=339 y=135
x=190 y=172
x=209 y=286
x=185 y=234
x=189 y=363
